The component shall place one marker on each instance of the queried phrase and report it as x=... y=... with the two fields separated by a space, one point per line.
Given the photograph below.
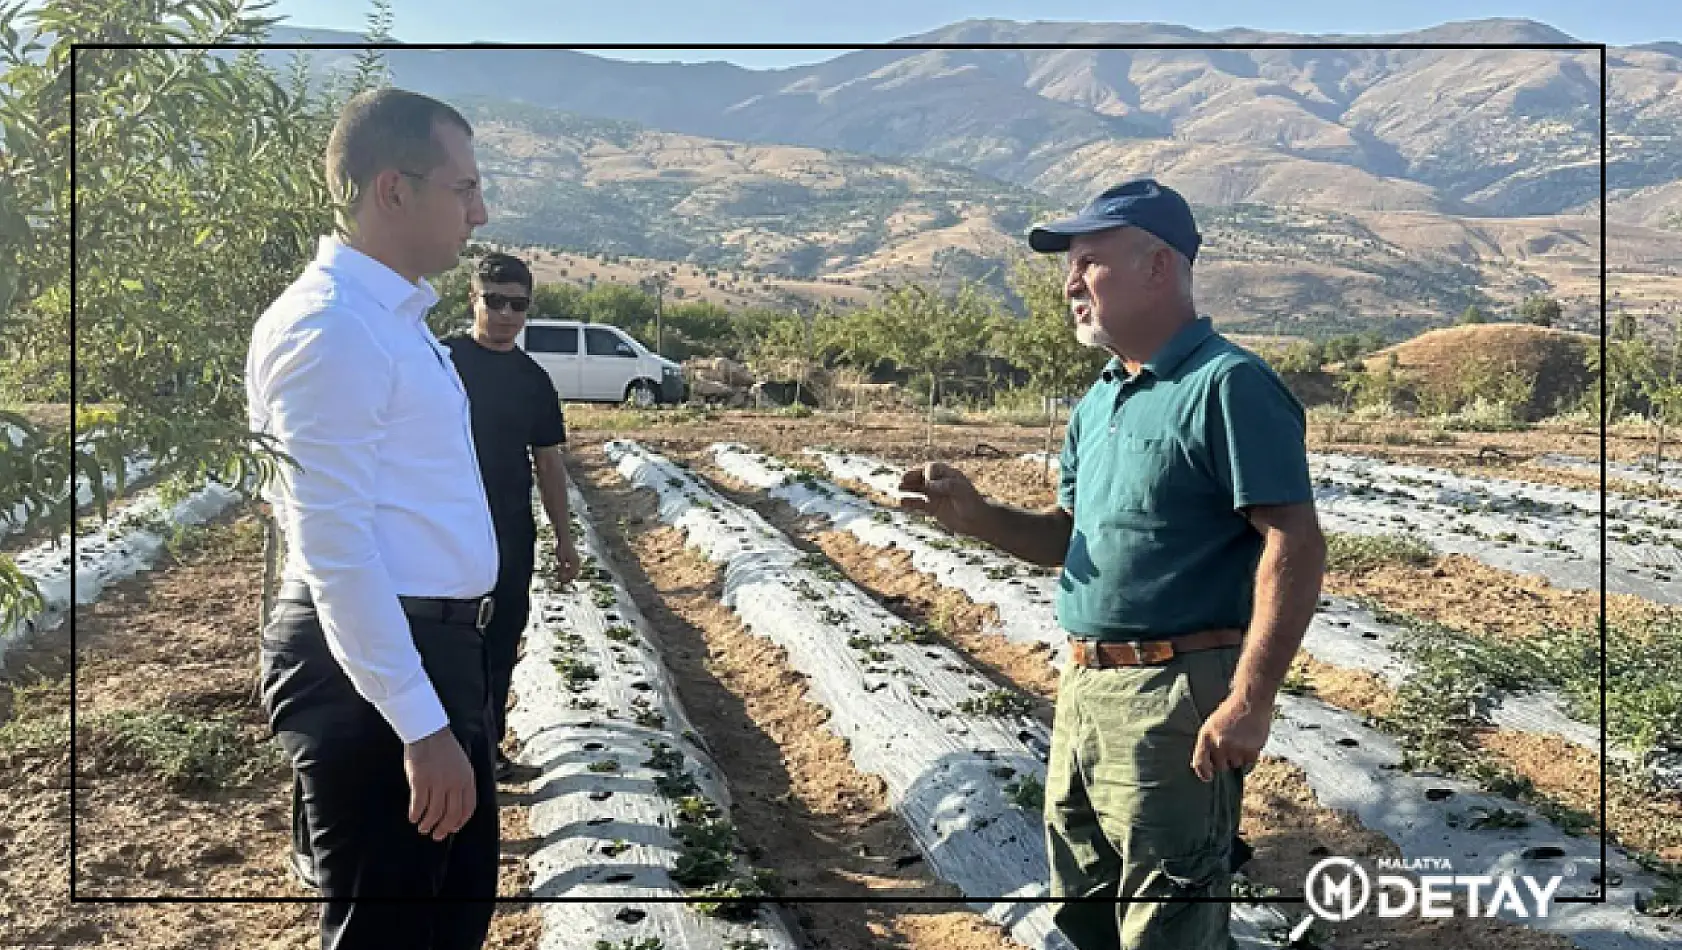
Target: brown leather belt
x=1099 y=654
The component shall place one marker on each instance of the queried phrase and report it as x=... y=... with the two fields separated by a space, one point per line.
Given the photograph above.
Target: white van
x=594 y=362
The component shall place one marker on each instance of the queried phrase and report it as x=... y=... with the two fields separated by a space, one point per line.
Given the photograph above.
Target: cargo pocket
x=1194 y=875
x=1166 y=915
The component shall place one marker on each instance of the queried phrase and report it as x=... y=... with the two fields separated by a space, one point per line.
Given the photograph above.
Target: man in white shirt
x=373 y=664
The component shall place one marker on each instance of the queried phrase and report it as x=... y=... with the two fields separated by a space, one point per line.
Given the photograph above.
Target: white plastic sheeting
x=1670 y=474
x=606 y=835
x=1517 y=526
x=116 y=551
x=134 y=469
x=999 y=580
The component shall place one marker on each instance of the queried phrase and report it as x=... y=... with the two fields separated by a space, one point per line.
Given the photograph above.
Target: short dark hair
x=384 y=129
x=499 y=268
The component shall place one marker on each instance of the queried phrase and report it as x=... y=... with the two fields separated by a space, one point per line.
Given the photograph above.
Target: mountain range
x=1354 y=184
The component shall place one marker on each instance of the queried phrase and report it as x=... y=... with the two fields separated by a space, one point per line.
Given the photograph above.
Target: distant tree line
x=1538 y=310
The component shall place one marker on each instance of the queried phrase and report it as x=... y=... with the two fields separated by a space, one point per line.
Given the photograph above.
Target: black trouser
x=355 y=793
x=513 y=609
x=502 y=644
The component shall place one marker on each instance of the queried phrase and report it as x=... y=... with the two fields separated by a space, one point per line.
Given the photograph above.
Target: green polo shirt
x=1156 y=469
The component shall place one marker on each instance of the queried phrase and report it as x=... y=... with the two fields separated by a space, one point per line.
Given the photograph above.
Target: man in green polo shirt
x=1192 y=558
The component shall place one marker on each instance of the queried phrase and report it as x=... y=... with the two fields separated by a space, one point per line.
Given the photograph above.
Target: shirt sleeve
x=1256 y=433
x=1068 y=462
x=549 y=427
x=326 y=385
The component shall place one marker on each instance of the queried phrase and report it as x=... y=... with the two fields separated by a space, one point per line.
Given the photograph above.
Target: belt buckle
x=487 y=607
x=1085 y=653
x=1153 y=652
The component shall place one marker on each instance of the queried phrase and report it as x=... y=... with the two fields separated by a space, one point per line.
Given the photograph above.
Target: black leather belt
x=471 y=611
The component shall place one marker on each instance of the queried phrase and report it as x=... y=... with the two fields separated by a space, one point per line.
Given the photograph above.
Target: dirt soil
x=1650 y=821
x=1457 y=591
x=183 y=639
x=1358 y=691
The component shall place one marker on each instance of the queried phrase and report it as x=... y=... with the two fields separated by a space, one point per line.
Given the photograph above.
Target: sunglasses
x=495 y=302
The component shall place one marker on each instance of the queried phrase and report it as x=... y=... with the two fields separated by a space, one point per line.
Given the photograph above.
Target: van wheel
x=642 y=394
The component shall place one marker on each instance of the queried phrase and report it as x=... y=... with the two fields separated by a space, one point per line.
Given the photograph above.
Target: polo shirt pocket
x=1144 y=470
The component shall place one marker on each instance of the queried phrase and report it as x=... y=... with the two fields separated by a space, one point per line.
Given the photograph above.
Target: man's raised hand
x=947 y=495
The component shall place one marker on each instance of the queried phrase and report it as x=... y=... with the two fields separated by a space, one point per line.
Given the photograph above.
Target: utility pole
x=657 y=283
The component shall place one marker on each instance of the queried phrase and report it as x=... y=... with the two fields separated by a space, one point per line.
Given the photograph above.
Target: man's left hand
x=1232 y=737
x=566 y=560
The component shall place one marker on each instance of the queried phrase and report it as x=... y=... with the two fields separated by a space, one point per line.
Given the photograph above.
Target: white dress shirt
x=344 y=372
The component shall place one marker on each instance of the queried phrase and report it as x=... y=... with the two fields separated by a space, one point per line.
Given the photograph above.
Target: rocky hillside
x=1340 y=189
x=1498 y=132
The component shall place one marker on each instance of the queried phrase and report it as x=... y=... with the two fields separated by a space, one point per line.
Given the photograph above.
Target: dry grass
x=1442 y=360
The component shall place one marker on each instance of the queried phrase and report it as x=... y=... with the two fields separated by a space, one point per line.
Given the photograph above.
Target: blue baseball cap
x=1141 y=203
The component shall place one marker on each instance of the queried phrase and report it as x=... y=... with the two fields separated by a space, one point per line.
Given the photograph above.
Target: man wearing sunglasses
x=517 y=426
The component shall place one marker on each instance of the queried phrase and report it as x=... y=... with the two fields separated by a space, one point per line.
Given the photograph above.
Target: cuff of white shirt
x=415 y=713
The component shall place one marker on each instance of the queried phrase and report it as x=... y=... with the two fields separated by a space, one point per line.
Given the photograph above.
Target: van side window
x=551 y=339
x=600 y=342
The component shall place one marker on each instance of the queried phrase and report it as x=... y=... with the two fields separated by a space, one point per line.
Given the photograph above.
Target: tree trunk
x=1050 y=429
x=934 y=384
x=273 y=555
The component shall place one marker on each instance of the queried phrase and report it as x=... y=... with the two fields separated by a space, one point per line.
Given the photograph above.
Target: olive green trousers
x=1127 y=820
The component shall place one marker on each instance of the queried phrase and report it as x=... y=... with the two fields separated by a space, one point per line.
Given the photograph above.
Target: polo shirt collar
x=1179 y=346
x=1170 y=356
x=389 y=288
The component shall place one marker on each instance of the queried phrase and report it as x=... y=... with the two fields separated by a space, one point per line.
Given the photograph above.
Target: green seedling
x=647 y=943
x=707 y=853
x=576 y=672
x=663 y=757
x=676 y=785
x=695 y=810
x=905 y=633
x=1027 y=793
x=741 y=896
x=820 y=567
x=998 y=702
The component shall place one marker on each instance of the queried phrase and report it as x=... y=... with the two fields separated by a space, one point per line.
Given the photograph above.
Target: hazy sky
x=1618 y=22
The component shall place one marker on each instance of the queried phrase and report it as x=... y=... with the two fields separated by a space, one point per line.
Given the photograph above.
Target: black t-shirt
x=514 y=408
